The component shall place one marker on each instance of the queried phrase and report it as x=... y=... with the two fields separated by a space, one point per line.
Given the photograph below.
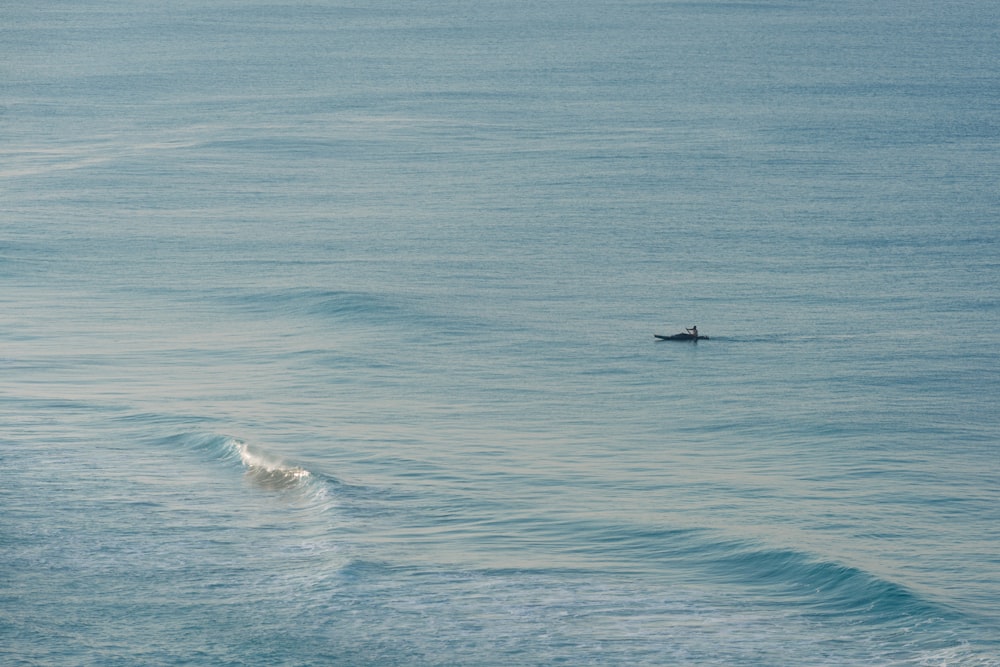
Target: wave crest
x=266 y=470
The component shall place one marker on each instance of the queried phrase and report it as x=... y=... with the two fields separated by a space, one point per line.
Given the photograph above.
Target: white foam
x=267 y=470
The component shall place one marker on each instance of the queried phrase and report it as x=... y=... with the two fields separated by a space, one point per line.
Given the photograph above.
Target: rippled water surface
x=326 y=333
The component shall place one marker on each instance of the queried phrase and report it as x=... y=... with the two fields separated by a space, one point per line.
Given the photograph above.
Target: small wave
x=268 y=471
x=354 y=308
x=263 y=469
x=821 y=586
x=827 y=587
x=312 y=302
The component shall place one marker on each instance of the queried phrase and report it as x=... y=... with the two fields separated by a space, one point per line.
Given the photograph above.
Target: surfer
x=693 y=331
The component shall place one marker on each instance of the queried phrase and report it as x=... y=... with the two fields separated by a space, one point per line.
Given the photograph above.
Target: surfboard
x=680 y=336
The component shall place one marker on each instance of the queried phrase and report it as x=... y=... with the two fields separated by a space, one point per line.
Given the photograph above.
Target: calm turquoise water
x=326 y=333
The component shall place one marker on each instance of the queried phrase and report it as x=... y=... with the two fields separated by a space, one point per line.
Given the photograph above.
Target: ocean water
x=326 y=332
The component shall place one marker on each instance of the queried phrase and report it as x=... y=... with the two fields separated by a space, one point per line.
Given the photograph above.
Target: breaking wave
x=263 y=469
x=267 y=470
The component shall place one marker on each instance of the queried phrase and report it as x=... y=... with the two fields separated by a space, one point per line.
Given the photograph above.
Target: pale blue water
x=326 y=333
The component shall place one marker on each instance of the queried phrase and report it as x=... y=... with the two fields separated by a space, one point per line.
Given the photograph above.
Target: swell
x=822 y=586
x=312 y=302
x=811 y=586
x=828 y=592
x=785 y=575
x=351 y=307
x=815 y=585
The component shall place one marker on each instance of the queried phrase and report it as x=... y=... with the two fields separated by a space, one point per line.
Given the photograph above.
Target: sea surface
x=326 y=332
